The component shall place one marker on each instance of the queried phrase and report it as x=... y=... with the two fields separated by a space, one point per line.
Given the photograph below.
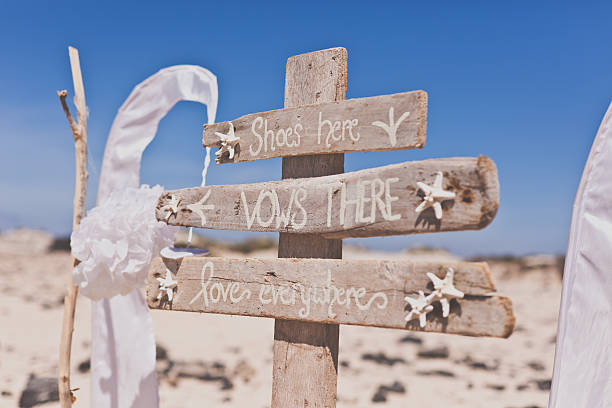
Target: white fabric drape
x=123 y=347
x=582 y=375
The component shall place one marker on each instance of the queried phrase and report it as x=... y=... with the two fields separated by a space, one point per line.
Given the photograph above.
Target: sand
x=214 y=360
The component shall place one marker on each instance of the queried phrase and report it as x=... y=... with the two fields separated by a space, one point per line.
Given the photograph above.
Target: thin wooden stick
x=79 y=132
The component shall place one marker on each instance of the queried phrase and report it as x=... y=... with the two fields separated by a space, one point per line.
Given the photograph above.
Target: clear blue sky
x=525 y=83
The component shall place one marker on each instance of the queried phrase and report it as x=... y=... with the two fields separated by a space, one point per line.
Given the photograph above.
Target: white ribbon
x=582 y=376
x=123 y=346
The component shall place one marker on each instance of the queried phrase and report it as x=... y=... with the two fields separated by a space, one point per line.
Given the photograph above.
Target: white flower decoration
x=117 y=241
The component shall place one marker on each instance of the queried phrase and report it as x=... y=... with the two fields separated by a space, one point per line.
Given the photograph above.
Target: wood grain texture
x=372 y=202
x=364 y=293
x=305 y=362
x=354 y=125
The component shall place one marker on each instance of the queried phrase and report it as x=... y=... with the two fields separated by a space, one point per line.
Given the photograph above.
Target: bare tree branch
x=79 y=133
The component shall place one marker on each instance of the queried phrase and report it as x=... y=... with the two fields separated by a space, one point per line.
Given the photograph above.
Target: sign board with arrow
x=407 y=198
x=313 y=208
x=388 y=122
x=364 y=293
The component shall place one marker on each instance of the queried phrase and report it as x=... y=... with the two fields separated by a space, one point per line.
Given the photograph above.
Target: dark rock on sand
x=198 y=370
x=85 y=366
x=442 y=373
x=411 y=339
x=496 y=387
x=543 y=385
x=161 y=353
x=39 y=390
x=480 y=365
x=529 y=406
x=381 y=358
x=536 y=365
x=438 y=352
x=381 y=393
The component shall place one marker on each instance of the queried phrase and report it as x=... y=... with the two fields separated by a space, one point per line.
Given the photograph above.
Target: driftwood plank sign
x=365 y=293
x=388 y=122
x=309 y=289
x=380 y=201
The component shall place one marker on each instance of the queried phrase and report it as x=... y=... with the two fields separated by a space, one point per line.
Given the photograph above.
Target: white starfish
x=228 y=143
x=171 y=208
x=166 y=285
x=445 y=290
x=420 y=307
x=391 y=128
x=434 y=195
x=199 y=207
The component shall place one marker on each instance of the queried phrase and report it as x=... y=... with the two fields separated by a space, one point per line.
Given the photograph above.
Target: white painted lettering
x=257 y=123
x=363 y=200
x=389 y=199
x=345 y=202
x=216 y=291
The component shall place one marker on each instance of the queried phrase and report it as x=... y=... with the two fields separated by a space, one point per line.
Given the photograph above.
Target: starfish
x=434 y=195
x=228 y=143
x=199 y=207
x=166 y=285
x=172 y=207
x=391 y=128
x=420 y=307
x=445 y=290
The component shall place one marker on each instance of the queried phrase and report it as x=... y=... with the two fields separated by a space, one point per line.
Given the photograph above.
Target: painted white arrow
x=200 y=207
x=391 y=128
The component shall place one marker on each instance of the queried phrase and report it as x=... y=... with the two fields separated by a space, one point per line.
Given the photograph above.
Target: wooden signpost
x=364 y=293
x=388 y=122
x=313 y=208
x=366 y=203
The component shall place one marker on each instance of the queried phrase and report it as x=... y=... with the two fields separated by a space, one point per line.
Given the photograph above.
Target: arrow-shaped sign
x=407 y=198
x=199 y=208
x=353 y=125
x=366 y=293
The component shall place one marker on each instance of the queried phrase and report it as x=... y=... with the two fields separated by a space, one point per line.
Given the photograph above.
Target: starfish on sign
x=228 y=143
x=434 y=195
x=445 y=290
x=420 y=307
x=172 y=207
x=199 y=207
x=166 y=285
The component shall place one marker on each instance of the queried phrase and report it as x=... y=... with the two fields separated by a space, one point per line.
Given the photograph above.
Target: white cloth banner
x=123 y=347
x=582 y=375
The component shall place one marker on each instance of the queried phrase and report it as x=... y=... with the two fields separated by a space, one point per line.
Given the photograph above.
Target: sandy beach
x=216 y=360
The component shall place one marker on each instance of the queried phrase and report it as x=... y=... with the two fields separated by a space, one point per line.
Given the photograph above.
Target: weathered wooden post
x=306 y=354
x=313 y=208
